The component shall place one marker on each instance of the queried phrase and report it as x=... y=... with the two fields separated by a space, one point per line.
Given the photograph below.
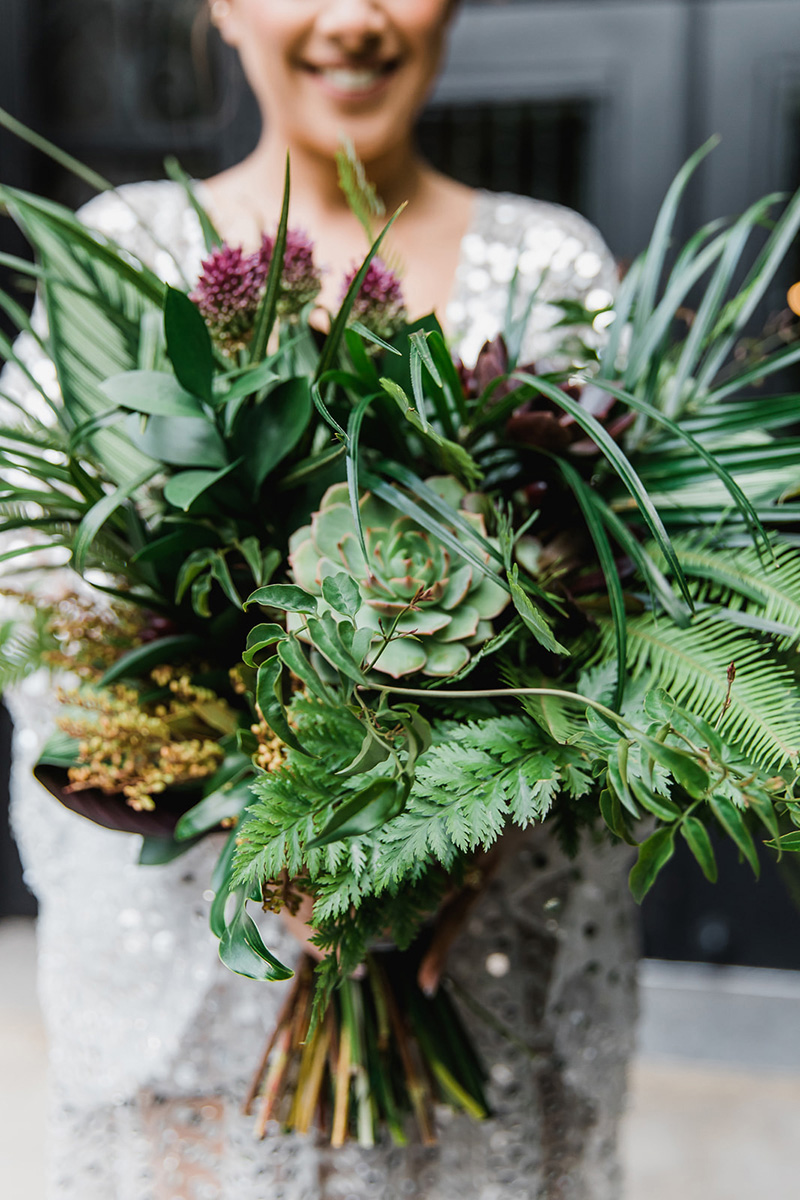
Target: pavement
x=714 y=1109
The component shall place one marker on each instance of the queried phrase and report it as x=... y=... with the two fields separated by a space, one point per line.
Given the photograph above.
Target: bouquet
x=367 y=610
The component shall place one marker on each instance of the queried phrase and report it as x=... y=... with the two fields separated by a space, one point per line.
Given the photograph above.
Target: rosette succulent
x=437 y=607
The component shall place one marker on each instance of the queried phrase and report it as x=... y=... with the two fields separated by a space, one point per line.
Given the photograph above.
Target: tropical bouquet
x=366 y=609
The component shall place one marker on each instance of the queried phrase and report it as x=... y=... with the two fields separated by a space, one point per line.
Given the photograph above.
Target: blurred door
x=584 y=103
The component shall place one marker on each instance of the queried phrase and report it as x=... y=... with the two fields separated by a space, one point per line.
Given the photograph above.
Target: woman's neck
x=246 y=200
x=399 y=176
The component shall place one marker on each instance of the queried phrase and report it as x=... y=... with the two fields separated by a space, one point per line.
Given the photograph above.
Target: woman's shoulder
x=153 y=220
x=524 y=257
x=546 y=239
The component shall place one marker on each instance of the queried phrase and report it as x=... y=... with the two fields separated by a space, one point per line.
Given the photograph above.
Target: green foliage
x=24 y=644
x=365 y=204
x=197 y=481
x=692 y=664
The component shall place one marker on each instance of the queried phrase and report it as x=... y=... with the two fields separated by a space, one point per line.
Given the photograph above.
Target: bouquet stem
x=383 y=1053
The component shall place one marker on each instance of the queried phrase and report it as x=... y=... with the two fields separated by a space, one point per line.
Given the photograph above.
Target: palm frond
x=94 y=317
x=22 y=646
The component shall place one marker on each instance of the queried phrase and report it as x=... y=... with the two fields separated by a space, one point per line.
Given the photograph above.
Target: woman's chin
x=372 y=136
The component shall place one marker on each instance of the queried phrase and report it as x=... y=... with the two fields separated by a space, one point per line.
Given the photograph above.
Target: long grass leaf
x=655 y=255
x=268 y=309
x=177 y=174
x=623 y=305
x=353 y=438
x=649 y=570
x=334 y=338
x=685 y=274
x=708 y=314
x=621 y=464
x=608 y=566
x=778 y=361
x=404 y=504
x=434 y=500
x=756 y=284
x=73 y=165
x=737 y=495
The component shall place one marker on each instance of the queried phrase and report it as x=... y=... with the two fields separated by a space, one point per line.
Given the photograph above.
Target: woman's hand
x=449 y=921
x=298 y=922
x=452 y=916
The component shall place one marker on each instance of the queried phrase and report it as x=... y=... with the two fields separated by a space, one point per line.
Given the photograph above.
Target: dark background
x=590 y=103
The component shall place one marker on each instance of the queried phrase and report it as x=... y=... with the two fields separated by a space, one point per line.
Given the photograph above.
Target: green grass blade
x=621 y=464
x=334 y=339
x=755 y=286
x=649 y=570
x=737 y=495
x=655 y=255
x=708 y=314
x=413 y=482
x=779 y=361
x=268 y=309
x=176 y=173
x=353 y=436
x=410 y=508
x=687 y=271
x=608 y=566
x=96 y=181
x=623 y=304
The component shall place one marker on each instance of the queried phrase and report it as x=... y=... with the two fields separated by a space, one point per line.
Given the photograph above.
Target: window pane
x=534 y=148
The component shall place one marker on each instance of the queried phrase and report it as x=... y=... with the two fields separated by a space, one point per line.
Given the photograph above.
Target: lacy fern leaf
x=740 y=577
x=692 y=664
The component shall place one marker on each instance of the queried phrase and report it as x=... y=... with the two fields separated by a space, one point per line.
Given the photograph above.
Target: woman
x=152 y=1040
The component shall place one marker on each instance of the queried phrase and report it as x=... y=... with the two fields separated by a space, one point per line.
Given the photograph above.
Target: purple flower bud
x=379 y=304
x=232 y=285
x=228 y=293
x=302 y=279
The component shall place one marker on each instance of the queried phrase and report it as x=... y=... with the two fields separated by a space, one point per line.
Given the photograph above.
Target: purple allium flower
x=379 y=304
x=302 y=279
x=228 y=293
x=232 y=284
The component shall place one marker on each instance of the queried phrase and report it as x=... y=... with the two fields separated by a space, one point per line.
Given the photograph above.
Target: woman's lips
x=352 y=82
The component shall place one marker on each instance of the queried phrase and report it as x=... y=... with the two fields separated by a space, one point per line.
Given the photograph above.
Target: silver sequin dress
x=153 y=1042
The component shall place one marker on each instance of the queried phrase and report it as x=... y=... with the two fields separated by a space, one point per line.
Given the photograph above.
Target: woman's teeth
x=346 y=79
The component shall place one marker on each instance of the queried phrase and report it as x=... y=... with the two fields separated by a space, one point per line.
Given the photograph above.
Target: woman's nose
x=352 y=23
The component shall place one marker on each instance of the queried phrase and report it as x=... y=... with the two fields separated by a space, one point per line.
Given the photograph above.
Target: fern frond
x=692 y=664
x=744 y=580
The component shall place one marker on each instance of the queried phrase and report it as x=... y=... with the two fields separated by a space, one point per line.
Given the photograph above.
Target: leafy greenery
x=326 y=502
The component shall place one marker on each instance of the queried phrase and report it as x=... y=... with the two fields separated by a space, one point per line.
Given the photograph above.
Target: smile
x=355 y=81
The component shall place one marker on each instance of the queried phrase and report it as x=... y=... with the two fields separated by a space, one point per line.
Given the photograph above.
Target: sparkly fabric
x=153 y=1041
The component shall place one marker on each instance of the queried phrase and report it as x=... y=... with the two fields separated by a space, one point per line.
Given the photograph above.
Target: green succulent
x=438 y=607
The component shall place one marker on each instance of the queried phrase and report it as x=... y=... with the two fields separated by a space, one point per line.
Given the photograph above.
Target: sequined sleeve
x=533 y=249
